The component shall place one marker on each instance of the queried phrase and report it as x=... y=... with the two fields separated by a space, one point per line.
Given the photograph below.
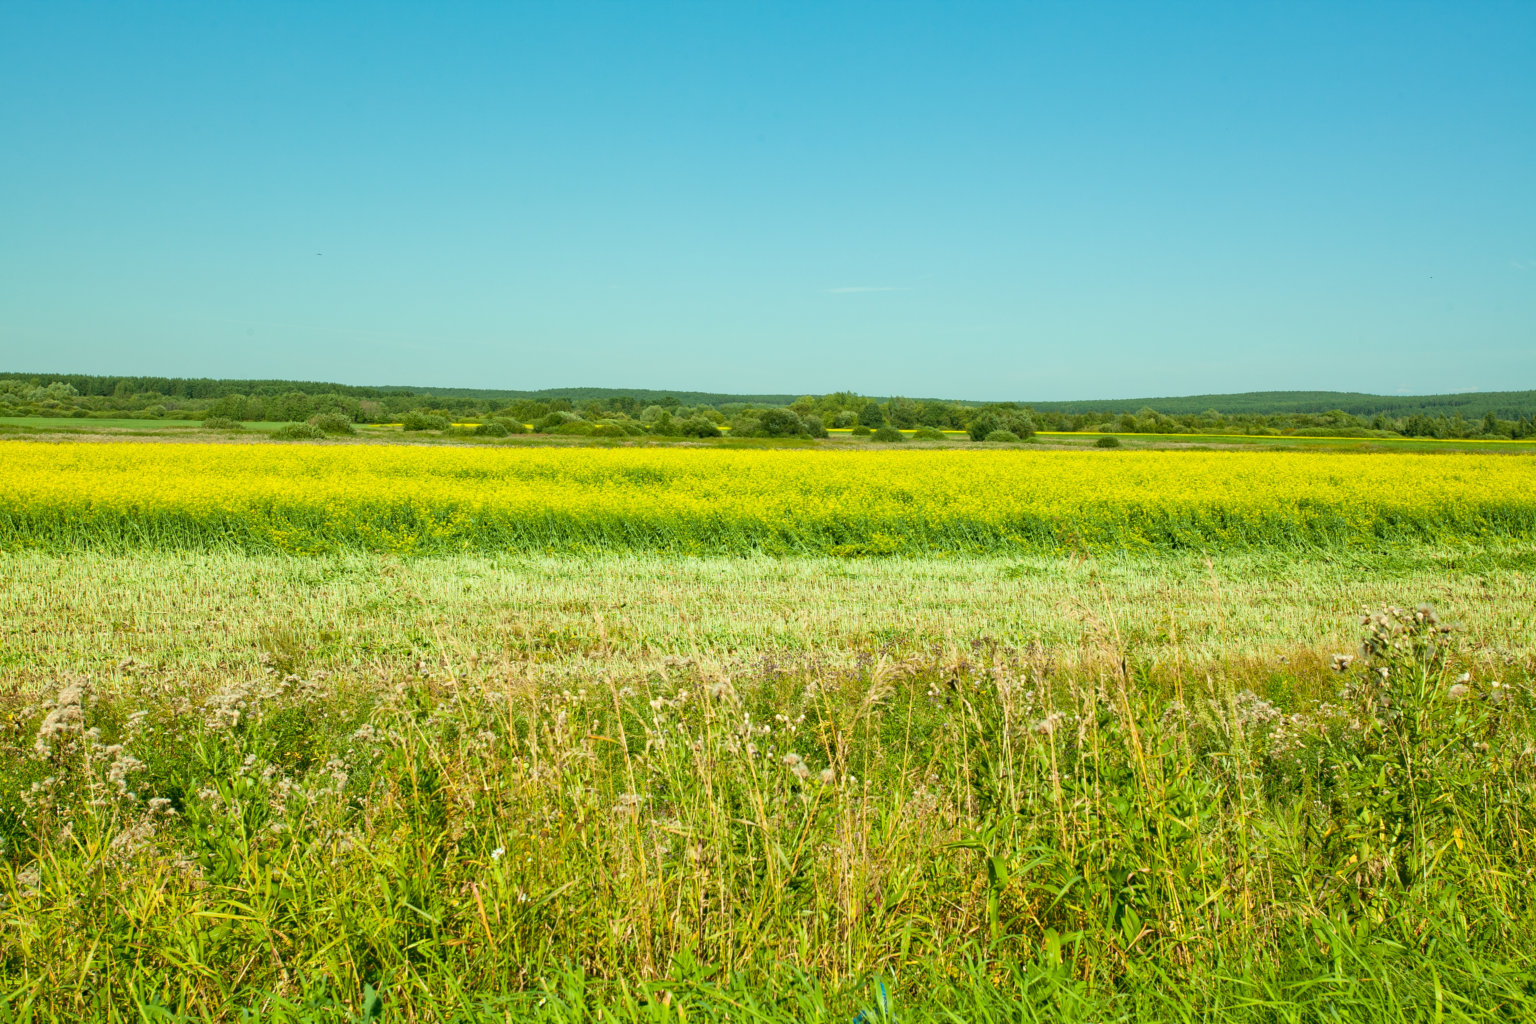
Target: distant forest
x=619 y=411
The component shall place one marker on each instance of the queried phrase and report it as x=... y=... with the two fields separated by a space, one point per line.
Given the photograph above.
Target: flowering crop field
x=309 y=498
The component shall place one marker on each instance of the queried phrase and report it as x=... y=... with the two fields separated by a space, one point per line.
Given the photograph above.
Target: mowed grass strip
x=215 y=615
x=314 y=498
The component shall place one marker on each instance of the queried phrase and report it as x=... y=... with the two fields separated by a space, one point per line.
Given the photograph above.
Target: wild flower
x=1048 y=725
x=132 y=839
x=223 y=710
x=337 y=768
x=64 y=721
x=122 y=766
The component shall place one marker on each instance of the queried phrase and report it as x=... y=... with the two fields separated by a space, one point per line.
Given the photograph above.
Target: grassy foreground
x=979 y=837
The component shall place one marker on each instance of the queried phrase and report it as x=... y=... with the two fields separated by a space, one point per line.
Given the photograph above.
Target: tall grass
x=978 y=838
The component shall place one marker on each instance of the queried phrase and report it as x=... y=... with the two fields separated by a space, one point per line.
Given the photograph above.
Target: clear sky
x=1024 y=200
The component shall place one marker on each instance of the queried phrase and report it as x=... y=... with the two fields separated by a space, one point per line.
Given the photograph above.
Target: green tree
x=871 y=415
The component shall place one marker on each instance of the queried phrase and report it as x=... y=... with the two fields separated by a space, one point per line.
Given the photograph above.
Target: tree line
x=620 y=413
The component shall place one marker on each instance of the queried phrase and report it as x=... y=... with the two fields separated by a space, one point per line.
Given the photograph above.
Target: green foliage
x=1002 y=437
x=493 y=428
x=662 y=423
x=984 y=424
x=298 y=432
x=780 y=423
x=990 y=421
x=332 y=423
x=929 y=434
x=1107 y=441
x=698 y=426
x=770 y=423
x=860 y=430
x=222 y=423
x=553 y=419
x=423 y=421
x=871 y=415
x=887 y=435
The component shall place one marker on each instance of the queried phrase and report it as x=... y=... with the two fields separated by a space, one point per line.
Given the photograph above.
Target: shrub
x=492 y=428
x=1107 y=442
x=298 y=432
x=984 y=424
x=555 y=420
x=332 y=423
x=860 y=431
x=608 y=430
x=813 y=426
x=929 y=434
x=780 y=423
x=222 y=423
x=1003 y=436
x=578 y=427
x=698 y=426
x=888 y=434
x=746 y=425
x=989 y=421
x=423 y=421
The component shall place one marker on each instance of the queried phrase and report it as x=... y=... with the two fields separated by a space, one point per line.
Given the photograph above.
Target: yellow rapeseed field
x=401 y=498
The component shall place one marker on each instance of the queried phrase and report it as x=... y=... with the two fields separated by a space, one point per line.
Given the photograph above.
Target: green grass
x=1384 y=444
x=983 y=835
x=71 y=425
x=210 y=616
x=838 y=437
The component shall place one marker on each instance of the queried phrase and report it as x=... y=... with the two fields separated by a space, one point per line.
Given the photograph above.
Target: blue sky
x=1032 y=201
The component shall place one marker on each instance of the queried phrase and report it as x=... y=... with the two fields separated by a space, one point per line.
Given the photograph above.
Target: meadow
x=347 y=732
